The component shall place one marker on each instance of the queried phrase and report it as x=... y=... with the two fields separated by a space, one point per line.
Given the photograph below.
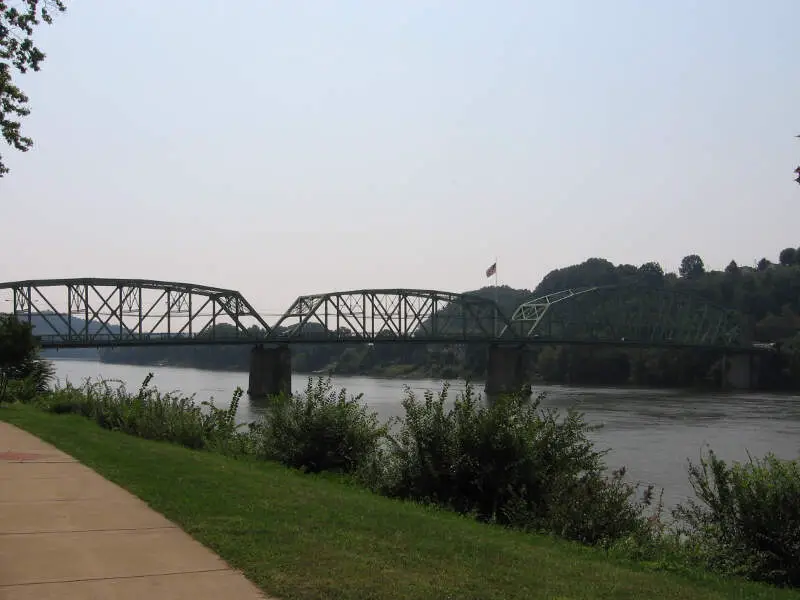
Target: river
x=651 y=432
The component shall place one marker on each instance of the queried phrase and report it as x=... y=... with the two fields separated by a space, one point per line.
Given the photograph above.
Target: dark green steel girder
x=629 y=314
x=392 y=315
x=90 y=312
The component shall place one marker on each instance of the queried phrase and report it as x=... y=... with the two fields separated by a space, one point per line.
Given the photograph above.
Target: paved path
x=66 y=533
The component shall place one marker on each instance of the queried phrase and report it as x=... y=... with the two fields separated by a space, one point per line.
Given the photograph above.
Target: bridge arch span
x=89 y=312
x=391 y=315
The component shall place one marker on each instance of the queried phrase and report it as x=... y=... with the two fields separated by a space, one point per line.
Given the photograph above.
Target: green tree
x=18 y=53
x=788 y=256
x=17 y=347
x=591 y=272
x=651 y=273
x=732 y=268
x=691 y=267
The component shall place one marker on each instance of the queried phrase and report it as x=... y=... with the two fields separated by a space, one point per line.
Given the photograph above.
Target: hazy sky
x=284 y=148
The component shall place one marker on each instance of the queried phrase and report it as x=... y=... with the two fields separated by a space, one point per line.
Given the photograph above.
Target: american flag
x=491 y=270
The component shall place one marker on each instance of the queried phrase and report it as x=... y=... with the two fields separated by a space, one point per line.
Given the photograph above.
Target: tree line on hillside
x=768 y=294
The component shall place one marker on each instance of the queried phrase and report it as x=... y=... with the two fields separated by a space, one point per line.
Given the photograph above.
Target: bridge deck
x=53 y=342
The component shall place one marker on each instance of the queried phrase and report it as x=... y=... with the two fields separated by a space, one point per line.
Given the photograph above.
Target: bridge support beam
x=740 y=372
x=270 y=371
x=506 y=370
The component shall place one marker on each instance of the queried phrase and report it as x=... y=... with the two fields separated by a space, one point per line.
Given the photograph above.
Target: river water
x=651 y=432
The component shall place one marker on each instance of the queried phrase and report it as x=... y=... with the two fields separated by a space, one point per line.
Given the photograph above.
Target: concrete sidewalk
x=67 y=533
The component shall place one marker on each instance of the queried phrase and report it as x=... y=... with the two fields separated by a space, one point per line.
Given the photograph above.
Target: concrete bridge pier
x=270 y=371
x=739 y=372
x=506 y=370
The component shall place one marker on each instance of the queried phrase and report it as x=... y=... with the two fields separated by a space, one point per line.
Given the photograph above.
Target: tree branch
x=18 y=21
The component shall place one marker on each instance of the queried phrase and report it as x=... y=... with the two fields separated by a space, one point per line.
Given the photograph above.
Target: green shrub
x=746 y=519
x=320 y=430
x=20 y=390
x=509 y=462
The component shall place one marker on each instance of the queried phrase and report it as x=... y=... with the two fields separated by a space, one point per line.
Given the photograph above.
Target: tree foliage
x=788 y=256
x=691 y=266
x=17 y=349
x=16 y=342
x=652 y=273
x=768 y=295
x=18 y=52
x=732 y=268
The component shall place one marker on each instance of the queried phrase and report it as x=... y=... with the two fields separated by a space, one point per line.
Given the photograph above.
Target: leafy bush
x=320 y=430
x=746 y=519
x=509 y=462
x=20 y=362
x=18 y=390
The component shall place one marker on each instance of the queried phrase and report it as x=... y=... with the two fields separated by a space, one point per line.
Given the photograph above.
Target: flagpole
x=496 y=306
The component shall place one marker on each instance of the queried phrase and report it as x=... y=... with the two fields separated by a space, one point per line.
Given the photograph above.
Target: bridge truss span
x=392 y=315
x=93 y=312
x=623 y=315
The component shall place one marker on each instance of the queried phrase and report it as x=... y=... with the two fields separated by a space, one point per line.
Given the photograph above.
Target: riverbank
x=650 y=432
x=300 y=537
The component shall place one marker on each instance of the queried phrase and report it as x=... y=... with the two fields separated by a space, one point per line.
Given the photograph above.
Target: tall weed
x=151 y=414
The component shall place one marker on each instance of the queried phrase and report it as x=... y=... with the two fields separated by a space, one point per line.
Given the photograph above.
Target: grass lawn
x=299 y=536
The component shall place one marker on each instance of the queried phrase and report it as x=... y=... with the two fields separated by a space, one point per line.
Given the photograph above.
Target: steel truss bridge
x=89 y=313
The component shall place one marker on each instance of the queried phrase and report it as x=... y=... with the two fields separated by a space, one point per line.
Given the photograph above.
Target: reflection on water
x=652 y=432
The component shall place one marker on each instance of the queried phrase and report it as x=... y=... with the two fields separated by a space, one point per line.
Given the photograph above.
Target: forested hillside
x=768 y=294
